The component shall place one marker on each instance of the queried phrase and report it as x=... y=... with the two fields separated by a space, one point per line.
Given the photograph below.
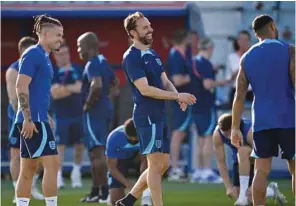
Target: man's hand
x=236 y=137
x=186 y=98
x=28 y=129
x=231 y=193
x=129 y=186
x=183 y=106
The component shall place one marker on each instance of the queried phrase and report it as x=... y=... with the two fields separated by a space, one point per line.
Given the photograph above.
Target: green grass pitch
x=175 y=194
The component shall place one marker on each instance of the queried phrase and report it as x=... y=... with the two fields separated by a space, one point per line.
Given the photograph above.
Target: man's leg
x=60 y=179
x=51 y=166
x=291 y=166
x=76 y=173
x=23 y=188
x=14 y=164
x=35 y=191
x=262 y=169
x=177 y=139
x=244 y=170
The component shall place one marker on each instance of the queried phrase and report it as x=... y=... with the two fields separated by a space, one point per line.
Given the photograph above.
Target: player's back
x=266 y=66
x=137 y=64
x=36 y=64
x=118 y=147
x=70 y=106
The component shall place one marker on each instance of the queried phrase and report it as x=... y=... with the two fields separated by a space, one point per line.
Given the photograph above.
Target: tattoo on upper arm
x=242 y=83
x=24 y=104
x=292 y=63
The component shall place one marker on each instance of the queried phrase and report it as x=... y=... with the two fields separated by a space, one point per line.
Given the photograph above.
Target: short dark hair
x=225 y=121
x=26 y=42
x=44 y=20
x=129 y=128
x=179 y=36
x=130 y=22
x=246 y=33
x=260 y=22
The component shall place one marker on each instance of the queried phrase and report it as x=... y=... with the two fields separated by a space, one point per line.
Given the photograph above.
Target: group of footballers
x=82 y=112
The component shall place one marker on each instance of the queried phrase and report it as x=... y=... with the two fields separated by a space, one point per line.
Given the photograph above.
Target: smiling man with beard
x=150 y=88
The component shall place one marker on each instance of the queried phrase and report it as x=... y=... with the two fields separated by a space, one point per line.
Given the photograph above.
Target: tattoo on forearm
x=242 y=84
x=292 y=63
x=24 y=104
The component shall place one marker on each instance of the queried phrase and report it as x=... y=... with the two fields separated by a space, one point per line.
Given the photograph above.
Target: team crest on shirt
x=158 y=61
x=52 y=145
x=13 y=140
x=158 y=143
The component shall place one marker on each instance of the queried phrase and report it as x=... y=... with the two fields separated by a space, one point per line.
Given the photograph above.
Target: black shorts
x=267 y=143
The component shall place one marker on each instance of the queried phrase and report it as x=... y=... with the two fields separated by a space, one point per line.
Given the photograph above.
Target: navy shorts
x=96 y=131
x=205 y=122
x=123 y=165
x=181 y=120
x=14 y=135
x=154 y=138
x=69 y=131
x=266 y=143
x=41 y=144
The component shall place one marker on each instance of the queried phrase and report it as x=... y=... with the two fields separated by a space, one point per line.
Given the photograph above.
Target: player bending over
x=33 y=90
x=121 y=149
x=243 y=169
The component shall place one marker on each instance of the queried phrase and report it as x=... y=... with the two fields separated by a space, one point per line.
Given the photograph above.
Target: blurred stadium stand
x=218 y=20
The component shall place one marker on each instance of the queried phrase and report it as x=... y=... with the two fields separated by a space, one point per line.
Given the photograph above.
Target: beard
x=145 y=40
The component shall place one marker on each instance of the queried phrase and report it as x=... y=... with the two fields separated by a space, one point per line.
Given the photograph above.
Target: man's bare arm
x=75 y=88
x=220 y=156
x=180 y=80
x=59 y=92
x=11 y=77
x=242 y=84
x=292 y=63
x=153 y=92
x=94 y=91
x=22 y=90
x=115 y=172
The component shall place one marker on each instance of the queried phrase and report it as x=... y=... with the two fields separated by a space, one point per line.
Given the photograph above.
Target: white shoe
x=240 y=202
x=60 y=183
x=103 y=201
x=76 y=179
x=146 y=200
x=36 y=194
x=176 y=175
x=278 y=196
x=14 y=200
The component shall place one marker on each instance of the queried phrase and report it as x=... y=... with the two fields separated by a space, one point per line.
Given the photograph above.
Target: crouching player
x=243 y=169
x=121 y=148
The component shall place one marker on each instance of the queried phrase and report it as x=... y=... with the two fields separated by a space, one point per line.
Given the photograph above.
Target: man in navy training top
x=67 y=112
x=33 y=90
x=150 y=88
x=179 y=71
x=269 y=67
x=14 y=139
x=121 y=149
x=204 y=111
x=243 y=168
x=97 y=81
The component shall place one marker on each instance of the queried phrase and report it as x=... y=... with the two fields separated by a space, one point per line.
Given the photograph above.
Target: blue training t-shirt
x=10 y=112
x=71 y=106
x=266 y=66
x=98 y=67
x=205 y=99
x=177 y=64
x=138 y=64
x=36 y=64
x=118 y=147
x=245 y=127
